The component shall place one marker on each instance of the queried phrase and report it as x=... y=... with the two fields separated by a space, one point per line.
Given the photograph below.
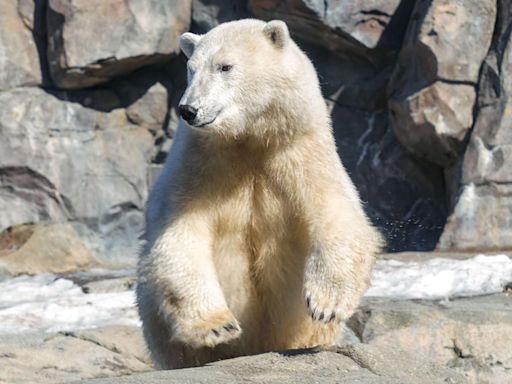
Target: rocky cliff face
x=418 y=92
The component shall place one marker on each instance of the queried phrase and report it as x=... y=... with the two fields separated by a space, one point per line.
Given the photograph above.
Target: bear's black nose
x=187 y=112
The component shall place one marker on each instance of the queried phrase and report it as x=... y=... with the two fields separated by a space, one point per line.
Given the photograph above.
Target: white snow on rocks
x=440 y=278
x=52 y=304
x=48 y=303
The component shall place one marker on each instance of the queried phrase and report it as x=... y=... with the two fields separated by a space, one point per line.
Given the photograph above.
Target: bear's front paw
x=328 y=301
x=212 y=329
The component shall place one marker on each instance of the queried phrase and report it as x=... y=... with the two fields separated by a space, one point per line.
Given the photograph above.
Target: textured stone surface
x=91 y=41
x=471 y=335
x=50 y=248
x=432 y=91
x=19 y=61
x=481 y=220
x=63 y=160
x=56 y=358
x=434 y=121
x=482 y=214
x=351 y=364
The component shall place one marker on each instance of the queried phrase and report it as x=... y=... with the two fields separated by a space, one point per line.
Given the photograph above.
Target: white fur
x=255 y=239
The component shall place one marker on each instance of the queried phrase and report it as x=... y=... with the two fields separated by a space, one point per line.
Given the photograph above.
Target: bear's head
x=247 y=77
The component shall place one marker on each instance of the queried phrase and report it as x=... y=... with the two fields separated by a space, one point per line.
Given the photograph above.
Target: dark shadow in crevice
x=39 y=34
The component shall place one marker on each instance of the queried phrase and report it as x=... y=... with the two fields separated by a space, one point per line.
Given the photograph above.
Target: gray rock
x=19 y=60
x=480 y=220
x=63 y=160
x=90 y=42
x=348 y=365
x=471 y=335
x=483 y=200
x=63 y=357
x=432 y=91
x=340 y=24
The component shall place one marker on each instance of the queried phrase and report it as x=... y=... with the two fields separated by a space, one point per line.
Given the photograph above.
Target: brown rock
x=43 y=248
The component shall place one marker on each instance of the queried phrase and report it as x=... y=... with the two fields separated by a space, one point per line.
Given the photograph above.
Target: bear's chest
x=261 y=215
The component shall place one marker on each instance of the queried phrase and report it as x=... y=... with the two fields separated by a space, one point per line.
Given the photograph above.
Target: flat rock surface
x=56 y=358
x=351 y=364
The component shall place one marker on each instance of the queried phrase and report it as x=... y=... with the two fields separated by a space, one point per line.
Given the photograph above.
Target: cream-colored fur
x=256 y=239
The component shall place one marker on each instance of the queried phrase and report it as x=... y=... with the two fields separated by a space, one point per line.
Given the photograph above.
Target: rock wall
x=418 y=92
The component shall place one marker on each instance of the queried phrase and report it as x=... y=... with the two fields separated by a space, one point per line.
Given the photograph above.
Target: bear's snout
x=188 y=113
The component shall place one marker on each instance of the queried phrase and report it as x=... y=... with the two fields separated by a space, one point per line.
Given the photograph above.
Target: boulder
x=432 y=91
x=433 y=122
x=19 y=60
x=471 y=335
x=92 y=41
x=43 y=248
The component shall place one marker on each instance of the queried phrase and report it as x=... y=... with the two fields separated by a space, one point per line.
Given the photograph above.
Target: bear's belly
x=260 y=245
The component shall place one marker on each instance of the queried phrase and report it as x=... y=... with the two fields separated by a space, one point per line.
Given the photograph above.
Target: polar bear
x=255 y=239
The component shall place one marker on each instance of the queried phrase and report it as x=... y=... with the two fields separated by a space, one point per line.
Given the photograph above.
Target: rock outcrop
x=418 y=90
x=483 y=200
x=470 y=335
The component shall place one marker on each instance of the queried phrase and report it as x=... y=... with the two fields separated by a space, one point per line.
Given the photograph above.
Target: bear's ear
x=188 y=42
x=277 y=32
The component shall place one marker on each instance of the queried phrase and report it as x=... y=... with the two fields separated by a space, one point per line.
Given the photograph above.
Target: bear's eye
x=225 y=67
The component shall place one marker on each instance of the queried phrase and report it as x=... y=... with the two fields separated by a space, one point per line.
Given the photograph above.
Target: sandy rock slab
x=472 y=335
x=56 y=358
x=43 y=248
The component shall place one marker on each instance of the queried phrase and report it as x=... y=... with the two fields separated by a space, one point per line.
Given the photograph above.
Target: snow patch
x=52 y=304
x=440 y=278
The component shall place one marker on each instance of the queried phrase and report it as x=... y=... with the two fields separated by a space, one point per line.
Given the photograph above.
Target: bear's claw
x=211 y=330
x=324 y=316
